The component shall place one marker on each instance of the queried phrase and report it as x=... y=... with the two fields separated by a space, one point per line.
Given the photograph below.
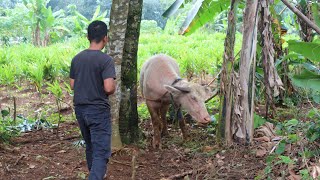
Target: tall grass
x=37 y=64
x=198 y=54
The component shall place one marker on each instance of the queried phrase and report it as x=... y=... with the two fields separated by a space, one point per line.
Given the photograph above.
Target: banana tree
x=42 y=20
x=202 y=12
x=81 y=22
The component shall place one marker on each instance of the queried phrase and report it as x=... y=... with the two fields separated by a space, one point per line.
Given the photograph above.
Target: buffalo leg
x=164 y=110
x=182 y=124
x=154 y=110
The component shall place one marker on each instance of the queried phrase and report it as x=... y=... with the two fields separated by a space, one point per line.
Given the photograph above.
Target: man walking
x=92 y=77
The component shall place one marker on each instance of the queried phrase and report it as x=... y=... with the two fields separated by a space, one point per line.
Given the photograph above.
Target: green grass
x=196 y=54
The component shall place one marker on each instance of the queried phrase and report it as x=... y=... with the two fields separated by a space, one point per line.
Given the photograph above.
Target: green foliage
x=198 y=54
x=316 y=12
x=7 y=130
x=36 y=75
x=302 y=60
x=258 y=121
x=81 y=22
x=8 y=74
x=56 y=89
x=307 y=49
x=202 y=12
x=143 y=111
x=37 y=64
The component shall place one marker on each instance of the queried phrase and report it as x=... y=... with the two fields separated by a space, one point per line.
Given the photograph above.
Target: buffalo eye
x=194 y=98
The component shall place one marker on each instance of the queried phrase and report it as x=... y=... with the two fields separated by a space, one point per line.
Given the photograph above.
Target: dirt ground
x=43 y=155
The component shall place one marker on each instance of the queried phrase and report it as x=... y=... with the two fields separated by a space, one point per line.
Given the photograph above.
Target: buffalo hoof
x=165 y=133
x=186 y=137
x=156 y=144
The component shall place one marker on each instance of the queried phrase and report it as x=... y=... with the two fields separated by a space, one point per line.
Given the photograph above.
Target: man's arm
x=109 y=86
x=72 y=83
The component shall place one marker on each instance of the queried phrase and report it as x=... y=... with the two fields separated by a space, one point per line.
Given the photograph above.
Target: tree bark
x=224 y=130
x=306 y=33
x=117 y=34
x=272 y=81
x=242 y=124
x=129 y=129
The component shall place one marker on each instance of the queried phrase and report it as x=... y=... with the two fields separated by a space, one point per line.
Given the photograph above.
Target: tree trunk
x=117 y=34
x=128 y=105
x=272 y=81
x=223 y=131
x=37 y=35
x=306 y=33
x=242 y=120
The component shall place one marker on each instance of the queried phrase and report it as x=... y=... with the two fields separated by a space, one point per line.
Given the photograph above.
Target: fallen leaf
x=261 y=152
x=277 y=138
x=31 y=166
x=60 y=152
x=220 y=162
x=262 y=139
x=207 y=148
x=315 y=172
x=293 y=175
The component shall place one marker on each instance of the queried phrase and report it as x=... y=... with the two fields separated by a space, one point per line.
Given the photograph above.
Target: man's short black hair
x=97 y=30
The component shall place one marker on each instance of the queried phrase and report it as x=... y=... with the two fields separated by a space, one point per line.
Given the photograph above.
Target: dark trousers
x=95 y=126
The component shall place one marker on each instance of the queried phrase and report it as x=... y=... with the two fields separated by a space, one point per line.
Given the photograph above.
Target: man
x=92 y=77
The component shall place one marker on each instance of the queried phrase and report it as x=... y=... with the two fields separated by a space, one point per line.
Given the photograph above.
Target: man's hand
x=72 y=83
x=109 y=86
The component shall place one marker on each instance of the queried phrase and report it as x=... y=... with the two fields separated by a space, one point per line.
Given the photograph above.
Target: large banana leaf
x=174 y=7
x=96 y=13
x=308 y=80
x=316 y=12
x=307 y=49
x=202 y=12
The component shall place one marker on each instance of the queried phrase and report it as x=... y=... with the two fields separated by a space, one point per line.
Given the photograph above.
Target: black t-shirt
x=88 y=69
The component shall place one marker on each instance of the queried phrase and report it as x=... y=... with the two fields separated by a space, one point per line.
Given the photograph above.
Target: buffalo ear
x=208 y=92
x=174 y=91
x=184 y=89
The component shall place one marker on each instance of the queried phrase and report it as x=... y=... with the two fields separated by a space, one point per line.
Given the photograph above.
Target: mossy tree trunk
x=117 y=34
x=128 y=106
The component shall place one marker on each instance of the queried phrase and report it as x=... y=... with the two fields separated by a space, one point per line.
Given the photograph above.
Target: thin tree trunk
x=242 y=120
x=306 y=33
x=224 y=130
x=37 y=40
x=128 y=105
x=118 y=28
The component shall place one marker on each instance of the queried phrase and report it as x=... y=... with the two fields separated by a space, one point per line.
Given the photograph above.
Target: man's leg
x=100 y=129
x=85 y=132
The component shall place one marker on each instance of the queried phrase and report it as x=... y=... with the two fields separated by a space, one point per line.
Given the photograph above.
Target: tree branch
x=302 y=16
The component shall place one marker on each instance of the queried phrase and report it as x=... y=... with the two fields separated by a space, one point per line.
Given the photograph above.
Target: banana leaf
x=316 y=12
x=308 y=80
x=174 y=7
x=202 y=12
x=309 y=50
